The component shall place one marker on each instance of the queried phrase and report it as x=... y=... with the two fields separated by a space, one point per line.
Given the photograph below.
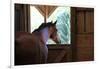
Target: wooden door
x=84 y=34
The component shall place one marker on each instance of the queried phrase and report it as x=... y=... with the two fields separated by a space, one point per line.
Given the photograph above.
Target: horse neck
x=45 y=34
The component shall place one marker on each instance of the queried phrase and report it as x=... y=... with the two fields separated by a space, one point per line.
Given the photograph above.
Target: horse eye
x=56 y=30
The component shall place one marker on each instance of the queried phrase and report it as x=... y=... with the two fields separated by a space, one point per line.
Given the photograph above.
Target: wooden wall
x=85 y=34
x=59 y=53
x=82 y=39
x=22 y=17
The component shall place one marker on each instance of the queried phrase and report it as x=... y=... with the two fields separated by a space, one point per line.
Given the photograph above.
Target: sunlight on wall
x=36 y=18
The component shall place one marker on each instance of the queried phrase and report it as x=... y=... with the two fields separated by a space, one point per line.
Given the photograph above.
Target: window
x=62 y=15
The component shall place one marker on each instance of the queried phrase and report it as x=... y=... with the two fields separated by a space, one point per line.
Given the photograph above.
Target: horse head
x=53 y=32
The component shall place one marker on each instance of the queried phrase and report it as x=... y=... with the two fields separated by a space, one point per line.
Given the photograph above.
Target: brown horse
x=31 y=48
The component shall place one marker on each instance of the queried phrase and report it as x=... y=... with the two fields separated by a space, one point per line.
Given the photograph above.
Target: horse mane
x=44 y=25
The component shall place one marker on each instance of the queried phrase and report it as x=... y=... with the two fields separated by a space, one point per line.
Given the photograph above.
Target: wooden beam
x=52 y=10
x=41 y=12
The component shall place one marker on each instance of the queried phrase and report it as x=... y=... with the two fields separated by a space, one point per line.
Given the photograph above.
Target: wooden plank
x=85 y=53
x=40 y=10
x=60 y=56
x=57 y=47
x=89 y=22
x=79 y=9
x=73 y=33
x=85 y=40
x=80 y=22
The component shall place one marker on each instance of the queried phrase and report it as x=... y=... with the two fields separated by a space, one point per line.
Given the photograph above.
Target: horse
x=31 y=48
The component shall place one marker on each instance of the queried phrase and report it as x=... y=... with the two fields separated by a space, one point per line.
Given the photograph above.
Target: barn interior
x=81 y=47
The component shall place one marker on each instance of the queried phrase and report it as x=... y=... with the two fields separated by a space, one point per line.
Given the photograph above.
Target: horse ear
x=51 y=21
x=55 y=22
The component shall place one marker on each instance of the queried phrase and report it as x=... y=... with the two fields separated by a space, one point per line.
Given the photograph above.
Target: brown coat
x=29 y=49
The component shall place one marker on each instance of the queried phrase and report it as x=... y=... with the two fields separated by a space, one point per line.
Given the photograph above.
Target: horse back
x=27 y=49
